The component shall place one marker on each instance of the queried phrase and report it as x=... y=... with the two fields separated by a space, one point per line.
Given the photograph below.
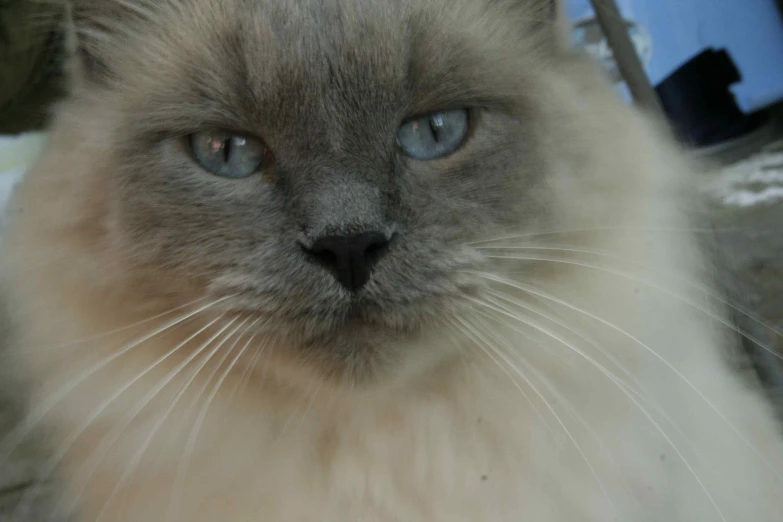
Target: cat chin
x=351 y=337
x=362 y=352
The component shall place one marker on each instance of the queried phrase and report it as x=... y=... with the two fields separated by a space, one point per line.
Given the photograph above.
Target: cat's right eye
x=228 y=154
x=433 y=135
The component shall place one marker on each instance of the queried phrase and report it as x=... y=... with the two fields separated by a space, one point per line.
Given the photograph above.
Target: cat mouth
x=362 y=320
x=316 y=313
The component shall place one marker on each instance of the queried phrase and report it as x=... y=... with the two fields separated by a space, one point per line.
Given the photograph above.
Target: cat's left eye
x=433 y=135
x=228 y=154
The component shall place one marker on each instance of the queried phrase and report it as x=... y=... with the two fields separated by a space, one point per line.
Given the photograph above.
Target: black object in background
x=699 y=104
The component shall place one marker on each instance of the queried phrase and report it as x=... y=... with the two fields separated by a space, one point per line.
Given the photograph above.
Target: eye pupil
x=226 y=150
x=434 y=135
x=434 y=129
x=436 y=126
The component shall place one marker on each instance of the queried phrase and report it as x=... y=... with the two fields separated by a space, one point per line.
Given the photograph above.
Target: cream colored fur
x=619 y=405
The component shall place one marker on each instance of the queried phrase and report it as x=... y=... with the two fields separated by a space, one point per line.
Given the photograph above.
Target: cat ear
x=550 y=10
x=96 y=29
x=545 y=18
x=540 y=12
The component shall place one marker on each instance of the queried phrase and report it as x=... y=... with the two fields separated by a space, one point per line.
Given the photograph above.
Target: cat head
x=327 y=163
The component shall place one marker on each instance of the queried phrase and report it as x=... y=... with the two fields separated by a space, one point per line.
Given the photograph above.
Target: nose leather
x=350 y=259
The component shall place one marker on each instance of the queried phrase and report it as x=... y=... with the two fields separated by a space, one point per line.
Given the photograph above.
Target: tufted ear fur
x=545 y=16
x=552 y=8
x=96 y=28
x=542 y=11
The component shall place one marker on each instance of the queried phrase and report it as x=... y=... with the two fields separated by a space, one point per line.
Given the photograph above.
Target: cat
x=352 y=260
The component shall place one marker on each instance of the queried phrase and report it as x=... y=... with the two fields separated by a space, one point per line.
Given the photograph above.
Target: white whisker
x=617 y=382
x=250 y=367
x=117 y=432
x=41 y=410
x=190 y=445
x=470 y=332
x=651 y=285
x=565 y=429
x=700 y=287
x=534 y=291
x=614 y=360
x=552 y=389
x=693 y=447
x=593 y=229
x=109 y=333
x=165 y=415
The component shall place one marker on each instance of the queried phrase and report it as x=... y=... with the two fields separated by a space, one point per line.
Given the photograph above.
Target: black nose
x=350 y=258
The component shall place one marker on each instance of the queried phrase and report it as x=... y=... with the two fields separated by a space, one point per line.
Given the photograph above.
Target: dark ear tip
x=553 y=7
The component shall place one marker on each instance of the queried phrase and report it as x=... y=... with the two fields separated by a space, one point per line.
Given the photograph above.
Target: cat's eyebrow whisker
x=17 y=435
x=702 y=288
x=54 y=461
x=136 y=459
x=489 y=347
x=189 y=448
x=650 y=284
x=544 y=295
x=617 y=382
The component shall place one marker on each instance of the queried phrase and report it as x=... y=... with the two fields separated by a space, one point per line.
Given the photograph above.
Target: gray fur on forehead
x=99 y=22
x=247 y=60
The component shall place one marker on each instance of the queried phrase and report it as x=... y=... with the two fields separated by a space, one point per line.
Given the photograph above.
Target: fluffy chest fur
x=557 y=419
x=474 y=442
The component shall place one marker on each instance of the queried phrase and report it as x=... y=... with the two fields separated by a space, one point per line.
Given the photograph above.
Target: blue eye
x=433 y=135
x=228 y=154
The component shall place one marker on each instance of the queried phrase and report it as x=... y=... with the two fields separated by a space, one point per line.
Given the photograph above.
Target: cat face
x=328 y=163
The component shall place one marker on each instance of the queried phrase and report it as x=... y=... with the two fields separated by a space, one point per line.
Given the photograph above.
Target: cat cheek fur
x=513 y=355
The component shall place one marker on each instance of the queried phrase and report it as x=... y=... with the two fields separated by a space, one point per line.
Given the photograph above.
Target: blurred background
x=712 y=68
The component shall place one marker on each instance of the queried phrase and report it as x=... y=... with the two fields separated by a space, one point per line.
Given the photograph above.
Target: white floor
x=17 y=153
x=757 y=180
